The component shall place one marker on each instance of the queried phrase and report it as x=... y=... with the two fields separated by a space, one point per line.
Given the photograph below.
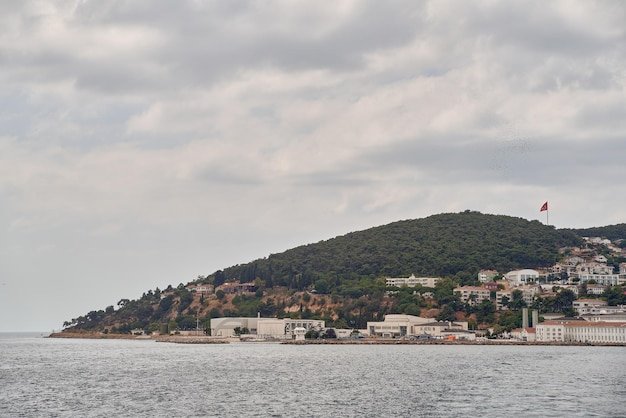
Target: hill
x=446 y=245
x=612 y=232
x=340 y=279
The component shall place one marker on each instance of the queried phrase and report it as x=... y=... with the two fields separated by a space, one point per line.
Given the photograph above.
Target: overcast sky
x=143 y=143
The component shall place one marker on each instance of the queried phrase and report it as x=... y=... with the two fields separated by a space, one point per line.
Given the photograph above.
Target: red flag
x=544 y=207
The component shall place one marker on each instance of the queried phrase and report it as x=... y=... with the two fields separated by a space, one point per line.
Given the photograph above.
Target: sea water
x=45 y=377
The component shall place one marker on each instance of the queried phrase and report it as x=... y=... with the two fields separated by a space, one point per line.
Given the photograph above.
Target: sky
x=145 y=143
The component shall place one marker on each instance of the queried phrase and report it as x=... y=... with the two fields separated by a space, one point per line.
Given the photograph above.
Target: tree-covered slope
x=347 y=273
x=612 y=232
x=445 y=245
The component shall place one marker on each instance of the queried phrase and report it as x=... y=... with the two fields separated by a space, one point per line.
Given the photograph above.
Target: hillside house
x=472 y=295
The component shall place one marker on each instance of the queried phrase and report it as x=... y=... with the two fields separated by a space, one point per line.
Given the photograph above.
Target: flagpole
x=547 y=222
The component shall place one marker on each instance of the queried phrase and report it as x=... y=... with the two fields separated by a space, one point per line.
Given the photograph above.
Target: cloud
x=192 y=135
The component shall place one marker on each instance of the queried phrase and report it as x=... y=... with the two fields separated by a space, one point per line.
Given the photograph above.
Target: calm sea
x=41 y=377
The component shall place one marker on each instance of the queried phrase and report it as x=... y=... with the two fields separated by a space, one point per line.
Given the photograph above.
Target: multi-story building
x=485 y=276
x=472 y=295
x=411 y=281
x=529 y=293
x=595 y=289
x=202 y=289
x=550 y=331
x=500 y=295
x=595 y=332
x=558 y=287
x=231 y=288
x=587 y=306
x=522 y=277
x=554 y=330
x=594 y=268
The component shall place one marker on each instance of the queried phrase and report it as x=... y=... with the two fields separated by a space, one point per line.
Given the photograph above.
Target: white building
x=225 y=327
x=524 y=334
x=412 y=281
x=396 y=325
x=485 y=276
x=608 y=317
x=603 y=279
x=522 y=277
x=553 y=330
x=558 y=287
x=596 y=332
x=440 y=329
x=595 y=289
x=263 y=327
x=299 y=333
x=529 y=294
x=309 y=324
x=586 y=306
x=472 y=295
x=593 y=268
x=500 y=295
x=270 y=327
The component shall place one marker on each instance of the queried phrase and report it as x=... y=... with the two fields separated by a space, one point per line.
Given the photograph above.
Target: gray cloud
x=143 y=143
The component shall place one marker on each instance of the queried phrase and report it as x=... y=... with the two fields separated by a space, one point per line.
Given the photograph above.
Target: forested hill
x=612 y=232
x=447 y=245
x=350 y=268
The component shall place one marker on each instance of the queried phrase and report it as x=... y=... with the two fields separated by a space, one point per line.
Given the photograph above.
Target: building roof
x=598 y=324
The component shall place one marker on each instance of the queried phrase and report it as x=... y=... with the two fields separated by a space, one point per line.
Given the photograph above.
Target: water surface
x=42 y=377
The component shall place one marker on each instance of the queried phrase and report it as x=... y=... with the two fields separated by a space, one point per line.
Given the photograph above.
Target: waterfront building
x=553 y=330
x=263 y=327
x=439 y=329
x=524 y=334
x=596 y=332
x=396 y=325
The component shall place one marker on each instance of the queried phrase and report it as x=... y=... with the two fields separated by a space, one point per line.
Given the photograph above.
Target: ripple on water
x=98 y=378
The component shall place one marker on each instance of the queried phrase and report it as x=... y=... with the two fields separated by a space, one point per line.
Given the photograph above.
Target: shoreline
x=203 y=339
x=180 y=339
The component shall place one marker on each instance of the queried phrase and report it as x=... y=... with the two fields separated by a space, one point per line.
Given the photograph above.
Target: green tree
x=321 y=286
x=563 y=301
x=517 y=300
x=312 y=334
x=330 y=333
x=486 y=311
x=614 y=295
x=446 y=314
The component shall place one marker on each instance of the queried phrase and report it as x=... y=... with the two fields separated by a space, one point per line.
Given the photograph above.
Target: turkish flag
x=544 y=207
